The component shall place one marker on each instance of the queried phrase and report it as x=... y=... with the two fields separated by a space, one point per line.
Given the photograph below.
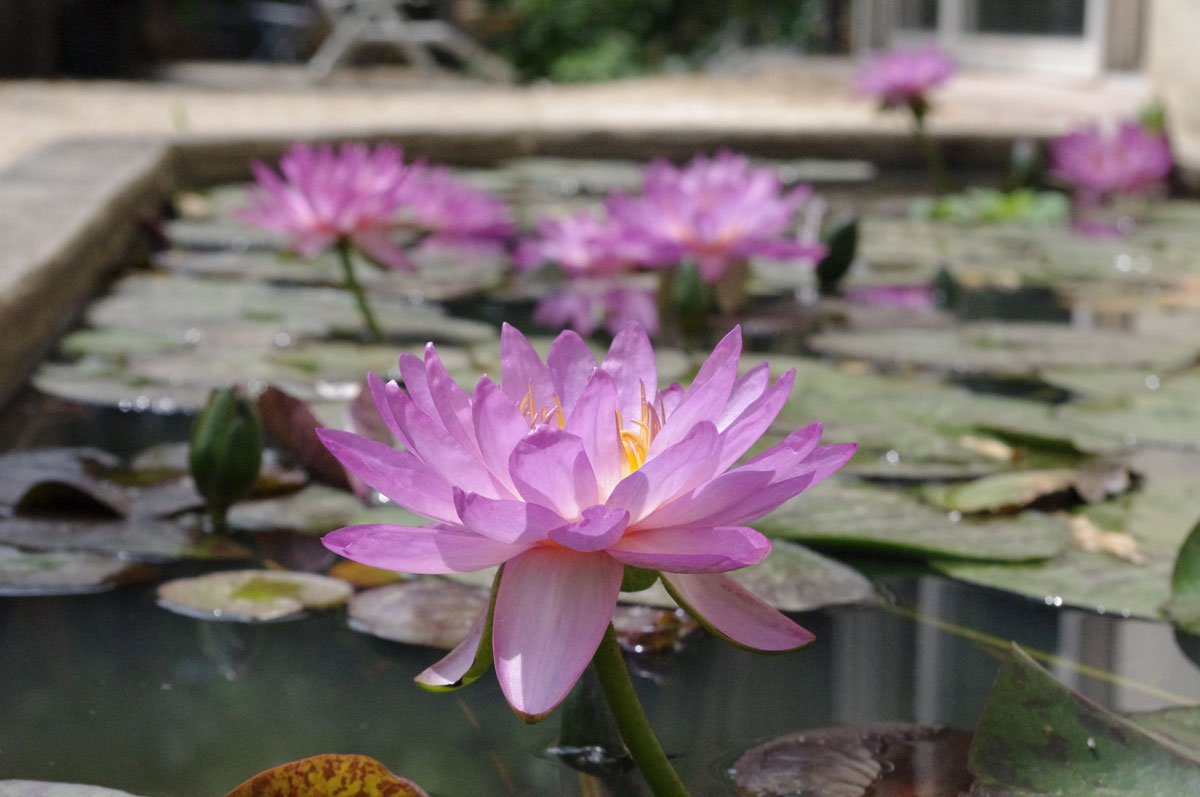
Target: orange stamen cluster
x=635 y=442
x=544 y=415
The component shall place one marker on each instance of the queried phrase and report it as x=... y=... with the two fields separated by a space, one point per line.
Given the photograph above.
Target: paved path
x=802 y=95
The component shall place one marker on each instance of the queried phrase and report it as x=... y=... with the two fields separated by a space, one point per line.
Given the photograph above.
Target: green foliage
x=581 y=40
x=989 y=206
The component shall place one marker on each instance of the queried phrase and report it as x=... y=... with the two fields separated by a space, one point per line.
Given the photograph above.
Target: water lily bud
x=226 y=450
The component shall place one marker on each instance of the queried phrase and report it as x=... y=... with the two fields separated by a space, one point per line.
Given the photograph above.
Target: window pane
x=1028 y=17
x=917 y=14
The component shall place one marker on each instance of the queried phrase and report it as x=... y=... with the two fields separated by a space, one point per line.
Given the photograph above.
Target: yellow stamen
x=545 y=415
x=635 y=442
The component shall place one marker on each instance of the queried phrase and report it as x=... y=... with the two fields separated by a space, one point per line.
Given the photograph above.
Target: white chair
x=360 y=22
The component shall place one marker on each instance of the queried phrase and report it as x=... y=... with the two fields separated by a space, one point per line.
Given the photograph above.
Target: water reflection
x=112 y=690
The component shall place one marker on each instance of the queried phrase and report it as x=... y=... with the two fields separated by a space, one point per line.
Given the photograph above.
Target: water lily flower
x=323 y=197
x=1130 y=159
x=598 y=256
x=447 y=211
x=718 y=211
x=568 y=471
x=904 y=77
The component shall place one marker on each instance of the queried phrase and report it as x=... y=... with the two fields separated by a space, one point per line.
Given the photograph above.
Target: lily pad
x=1038 y=737
x=1184 y=606
x=148 y=539
x=1158 y=516
x=1018 y=489
x=61 y=480
x=317 y=509
x=876 y=519
x=63 y=573
x=331 y=775
x=252 y=595
x=1010 y=348
x=428 y=611
x=1179 y=724
x=869 y=759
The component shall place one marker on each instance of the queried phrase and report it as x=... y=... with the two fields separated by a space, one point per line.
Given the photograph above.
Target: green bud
x=225 y=451
x=637 y=579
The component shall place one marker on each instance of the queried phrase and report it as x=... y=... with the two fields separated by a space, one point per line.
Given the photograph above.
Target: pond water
x=963 y=415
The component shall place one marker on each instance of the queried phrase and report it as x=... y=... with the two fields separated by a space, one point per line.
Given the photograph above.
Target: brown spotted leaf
x=330 y=775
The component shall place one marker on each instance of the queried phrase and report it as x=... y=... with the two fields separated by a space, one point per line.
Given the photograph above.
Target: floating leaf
x=1087 y=536
x=251 y=595
x=63 y=480
x=1181 y=725
x=1038 y=737
x=427 y=611
x=136 y=537
x=893 y=759
x=1001 y=492
x=645 y=629
x=316 y=509
x=363 y=576
x=63 y=573
x=293 y=426
x=329 y=776
x=1184 y=606
x=885 y=520
x=1157 y=516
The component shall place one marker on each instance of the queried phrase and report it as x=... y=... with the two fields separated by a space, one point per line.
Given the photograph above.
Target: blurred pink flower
x=449 y=211
x=585 y=246
x=1129 y=160
x=326 y=196
x=910 y=297
x=718 y=210
x=586 y=305
x=565 y=473
x=903 y=77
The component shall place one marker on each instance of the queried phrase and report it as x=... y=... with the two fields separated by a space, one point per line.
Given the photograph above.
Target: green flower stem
x=360 y=298
x=933 y=156
x=631 y=720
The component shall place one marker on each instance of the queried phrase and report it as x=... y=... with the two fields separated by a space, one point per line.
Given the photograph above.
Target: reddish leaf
x=329 y=775
x=292 y=425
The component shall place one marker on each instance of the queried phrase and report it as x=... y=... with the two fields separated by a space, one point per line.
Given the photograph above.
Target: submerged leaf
x=1037 y=736
x=894 y=759
x=251 y=595
x=329 y=775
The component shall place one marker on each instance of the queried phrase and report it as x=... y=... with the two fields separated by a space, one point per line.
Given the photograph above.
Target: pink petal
x=440 y=450
x=416 y=383
x=499 y=426
x=522 y=370
x=451 y=670
x=433 y=549
x=633 y=367
x=594 y=421
x=596 y=530
x=551 y=468
x=678 y=469
x=733 y=612
x=747 y=389
x=452 y=404
x=379 y=394
x=571 y=365
x=695 y=549
x=380 y=248
x=403 y=478
x=745 y=430
x=505 y=521
x=708 y=394
x=552 y=609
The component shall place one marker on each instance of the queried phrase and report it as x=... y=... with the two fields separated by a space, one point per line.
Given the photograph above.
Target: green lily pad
x=792 y=579
x=252 y=595
x=139 y=538
x=1158 y=516
x=433 y=612
x=316 y=509
x=857 y=760
x=1179 y=724
x=63 y=573
x=1168 y=413
x=1184 y=606
x=864 y=517
x=1018 y=489
x=1010 y=348
x=1038 y=737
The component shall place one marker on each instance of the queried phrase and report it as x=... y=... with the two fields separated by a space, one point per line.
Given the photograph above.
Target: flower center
x=635 y=442
x=539 y=416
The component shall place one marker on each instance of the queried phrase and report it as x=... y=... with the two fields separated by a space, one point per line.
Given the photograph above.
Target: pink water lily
x=1129 y=159
x=566 y=472
x=903 y=77
x=323 y=196
x=449 y=211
